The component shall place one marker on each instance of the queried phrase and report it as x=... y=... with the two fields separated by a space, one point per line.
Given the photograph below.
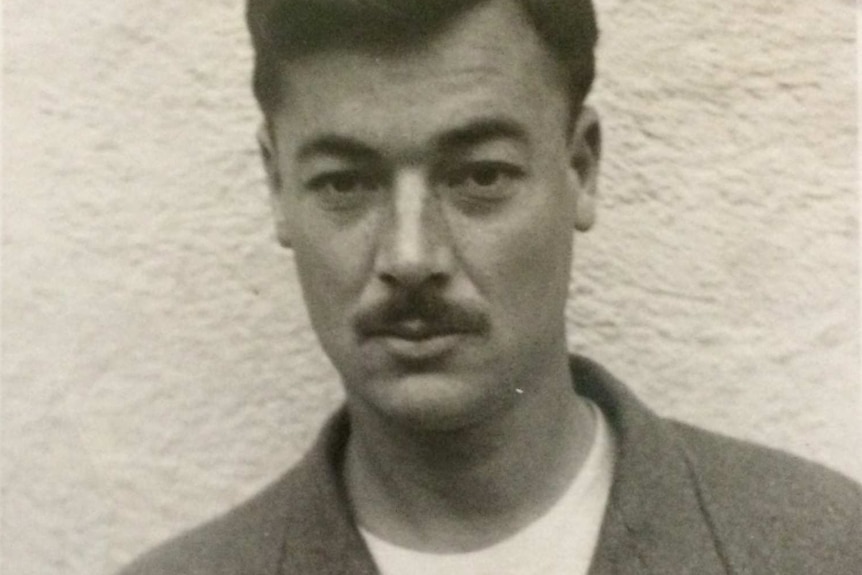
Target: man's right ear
x=273 y=179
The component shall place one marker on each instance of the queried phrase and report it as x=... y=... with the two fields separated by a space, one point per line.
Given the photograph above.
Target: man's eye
x=342 y=182
x=484 y=180
x=344 y=189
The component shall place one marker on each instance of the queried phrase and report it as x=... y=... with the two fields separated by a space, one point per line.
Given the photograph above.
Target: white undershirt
x=562 y=541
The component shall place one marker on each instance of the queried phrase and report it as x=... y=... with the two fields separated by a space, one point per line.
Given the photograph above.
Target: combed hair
x=283 y=30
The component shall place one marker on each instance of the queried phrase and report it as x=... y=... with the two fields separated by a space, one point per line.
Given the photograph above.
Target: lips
x=415 y=330
x=417 y=340
x=419 y=351
x=419 y=327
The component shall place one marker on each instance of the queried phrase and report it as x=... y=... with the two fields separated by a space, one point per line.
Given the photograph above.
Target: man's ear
x=273 y=179
x=585 y=148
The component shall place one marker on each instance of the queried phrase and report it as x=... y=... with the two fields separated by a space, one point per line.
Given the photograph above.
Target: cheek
x=332 y=264
x=525 y=261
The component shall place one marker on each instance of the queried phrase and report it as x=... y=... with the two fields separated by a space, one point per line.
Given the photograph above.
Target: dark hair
x=285 y=29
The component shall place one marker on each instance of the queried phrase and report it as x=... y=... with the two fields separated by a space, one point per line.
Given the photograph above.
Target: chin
x=433 y=402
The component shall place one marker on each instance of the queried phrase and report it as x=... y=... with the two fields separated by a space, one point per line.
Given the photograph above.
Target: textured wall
x=158 y=365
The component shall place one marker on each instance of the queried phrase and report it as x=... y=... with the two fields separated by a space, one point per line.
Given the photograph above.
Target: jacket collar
x=653 y=524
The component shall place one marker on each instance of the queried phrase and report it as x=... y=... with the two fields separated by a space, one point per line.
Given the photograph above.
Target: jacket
x=683 y=501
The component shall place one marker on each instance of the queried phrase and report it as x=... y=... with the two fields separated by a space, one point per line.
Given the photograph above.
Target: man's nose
x=414 y=248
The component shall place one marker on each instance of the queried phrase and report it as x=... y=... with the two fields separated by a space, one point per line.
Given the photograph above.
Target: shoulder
x=301 y=523
x=246 y=539
x=737 y=469
x=760 y=499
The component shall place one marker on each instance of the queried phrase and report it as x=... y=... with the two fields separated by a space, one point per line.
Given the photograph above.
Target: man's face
x=430 y=198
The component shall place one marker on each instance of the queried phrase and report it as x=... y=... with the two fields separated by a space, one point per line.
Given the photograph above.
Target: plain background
x=158 y=365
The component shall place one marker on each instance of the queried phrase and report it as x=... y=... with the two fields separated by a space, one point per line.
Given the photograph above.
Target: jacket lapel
x=654 y=522
x=321 y=536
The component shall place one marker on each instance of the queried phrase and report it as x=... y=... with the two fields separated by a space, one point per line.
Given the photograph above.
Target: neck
x=465 y=489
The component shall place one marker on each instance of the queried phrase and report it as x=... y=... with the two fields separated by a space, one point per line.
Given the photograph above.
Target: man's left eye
x=483 y=180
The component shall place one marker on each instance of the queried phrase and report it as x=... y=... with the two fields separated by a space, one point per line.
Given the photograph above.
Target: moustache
x=419 y=313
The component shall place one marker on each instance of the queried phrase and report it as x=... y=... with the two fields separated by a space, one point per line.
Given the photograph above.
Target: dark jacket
x=683 y=500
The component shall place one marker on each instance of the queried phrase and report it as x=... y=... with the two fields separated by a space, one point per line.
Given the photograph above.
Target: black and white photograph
x=430 y=287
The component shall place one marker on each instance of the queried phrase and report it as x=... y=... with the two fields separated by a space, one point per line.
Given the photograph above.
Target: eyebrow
x=335 y=145
x=480 y=131
x=474 y=133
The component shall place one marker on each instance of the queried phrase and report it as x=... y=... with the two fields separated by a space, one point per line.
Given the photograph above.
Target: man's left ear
x=585 y=147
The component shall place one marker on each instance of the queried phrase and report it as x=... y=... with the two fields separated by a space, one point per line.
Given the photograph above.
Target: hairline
x=269 y=58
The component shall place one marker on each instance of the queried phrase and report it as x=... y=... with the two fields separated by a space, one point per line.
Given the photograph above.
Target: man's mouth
x=412 y=349
x=417 y=340
x=419 y=326
x=415 y=330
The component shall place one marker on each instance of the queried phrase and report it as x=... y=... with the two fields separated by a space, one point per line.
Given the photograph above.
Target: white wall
x=158 y=365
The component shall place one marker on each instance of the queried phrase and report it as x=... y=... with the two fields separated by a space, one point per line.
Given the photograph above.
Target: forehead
x=489 y=62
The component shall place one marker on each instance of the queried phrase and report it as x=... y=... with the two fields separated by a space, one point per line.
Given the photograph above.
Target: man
x=429 y=164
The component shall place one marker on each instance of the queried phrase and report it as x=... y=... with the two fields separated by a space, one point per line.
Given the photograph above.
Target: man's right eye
x=344 y=182
x=342 y=189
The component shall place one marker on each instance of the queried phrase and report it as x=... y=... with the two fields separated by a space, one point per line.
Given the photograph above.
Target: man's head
x=430 y=191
